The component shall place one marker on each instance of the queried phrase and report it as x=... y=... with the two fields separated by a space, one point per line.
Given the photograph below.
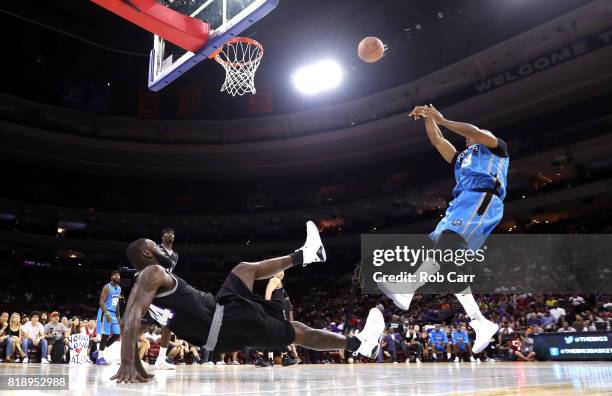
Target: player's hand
x=431 y=112
x=108 y=318
x=416 y=113
x=128 y=373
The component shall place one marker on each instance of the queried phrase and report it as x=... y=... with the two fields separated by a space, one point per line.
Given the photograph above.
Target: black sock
x=112 y=339
x=297 y=257
x=352 y=343
x=103 y=341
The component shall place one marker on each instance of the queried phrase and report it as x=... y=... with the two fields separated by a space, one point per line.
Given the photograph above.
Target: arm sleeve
x=501 y=150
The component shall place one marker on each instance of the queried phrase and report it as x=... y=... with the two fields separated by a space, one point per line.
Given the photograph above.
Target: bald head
x=136 y=254
x=144 y=252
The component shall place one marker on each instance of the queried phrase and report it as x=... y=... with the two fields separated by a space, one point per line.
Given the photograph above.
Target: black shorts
x=249 y=320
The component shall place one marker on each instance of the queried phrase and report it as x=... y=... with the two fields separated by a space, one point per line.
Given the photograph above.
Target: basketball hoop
x=240 y=57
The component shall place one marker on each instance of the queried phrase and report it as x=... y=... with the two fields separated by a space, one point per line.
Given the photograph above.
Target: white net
x=240 y=57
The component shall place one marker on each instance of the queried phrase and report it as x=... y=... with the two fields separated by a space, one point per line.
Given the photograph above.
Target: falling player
x=476 y=209
x=232 y=319
x=167 y=248
x=108 y=316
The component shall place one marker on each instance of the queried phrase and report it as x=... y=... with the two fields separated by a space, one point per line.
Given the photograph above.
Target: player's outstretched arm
x=444 y=147
x=147 y=284
x=480 y=136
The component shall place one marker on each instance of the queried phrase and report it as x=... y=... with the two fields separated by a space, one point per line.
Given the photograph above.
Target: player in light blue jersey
x=476 y=209
x=109 y=318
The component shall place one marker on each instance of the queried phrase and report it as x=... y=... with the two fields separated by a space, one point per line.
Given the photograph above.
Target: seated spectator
x=439 y=342
x=461 y=344
x=43 y=318
x=195 y=352
x=76 y=326
x=589 y=326
x=557 y=312
x=153 y=334
x=33 y=333
x=90 y=330
x=143 y=346
x=525 y=350
x=425 y=343
x=13 y=342
x=565 y=328
x=56 y=336
x=176 y=352
x=548 y=321
x=412 y=344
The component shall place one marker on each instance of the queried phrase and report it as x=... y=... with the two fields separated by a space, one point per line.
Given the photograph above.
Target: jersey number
x=160 y=315
x=467 y=161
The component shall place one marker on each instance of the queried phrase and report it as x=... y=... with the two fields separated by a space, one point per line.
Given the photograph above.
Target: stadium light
x=318 y=77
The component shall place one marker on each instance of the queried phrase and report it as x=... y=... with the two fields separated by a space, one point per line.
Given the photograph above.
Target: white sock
x=100 y=354
x=469 y=304
x=448 y=355
x=401 y=300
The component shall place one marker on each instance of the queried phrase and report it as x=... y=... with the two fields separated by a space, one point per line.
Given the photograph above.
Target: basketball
x=371 y=49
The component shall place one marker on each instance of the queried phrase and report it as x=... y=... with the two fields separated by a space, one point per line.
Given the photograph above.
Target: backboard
x=227 y=19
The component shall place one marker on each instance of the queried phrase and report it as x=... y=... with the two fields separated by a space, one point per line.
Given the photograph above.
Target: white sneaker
x=371 y=334
x=418 y=360
x=25 y=360
x=434 y=356
x=478 y=360
x=234 y=363
x=17 y=360
x=220 y=363
x=209 y=363
x=457 y=359
x=313 y=249
x=472 y=359
x=44 y=361
x=161 y=364
x=485 y=330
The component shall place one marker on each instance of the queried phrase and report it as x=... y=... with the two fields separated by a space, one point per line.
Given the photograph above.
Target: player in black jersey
x=167 y=248
x=276 y=290
x=234 y=317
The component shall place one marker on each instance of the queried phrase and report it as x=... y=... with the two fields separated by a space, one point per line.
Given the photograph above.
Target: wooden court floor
x=495 y=378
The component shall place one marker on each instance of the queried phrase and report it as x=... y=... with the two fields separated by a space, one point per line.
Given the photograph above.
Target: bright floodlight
x=321 y=76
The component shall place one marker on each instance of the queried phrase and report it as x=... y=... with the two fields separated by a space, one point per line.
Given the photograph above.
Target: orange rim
x=247 y=40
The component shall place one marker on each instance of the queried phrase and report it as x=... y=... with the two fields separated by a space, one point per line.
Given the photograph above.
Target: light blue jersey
x=479 y=167
x=477 y=206
x=103 y=326
x=113 y=297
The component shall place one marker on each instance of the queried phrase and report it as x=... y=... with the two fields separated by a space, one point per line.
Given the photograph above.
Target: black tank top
x=279 y=294
x=186 y=311
x=12 y=332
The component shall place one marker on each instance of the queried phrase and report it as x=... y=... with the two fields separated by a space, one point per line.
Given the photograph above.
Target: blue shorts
x=470 y=216
x=461 y=347
x=103 y=326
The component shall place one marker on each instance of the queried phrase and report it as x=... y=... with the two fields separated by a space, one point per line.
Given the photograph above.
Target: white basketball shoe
x=313 y=249
x=371 y=334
